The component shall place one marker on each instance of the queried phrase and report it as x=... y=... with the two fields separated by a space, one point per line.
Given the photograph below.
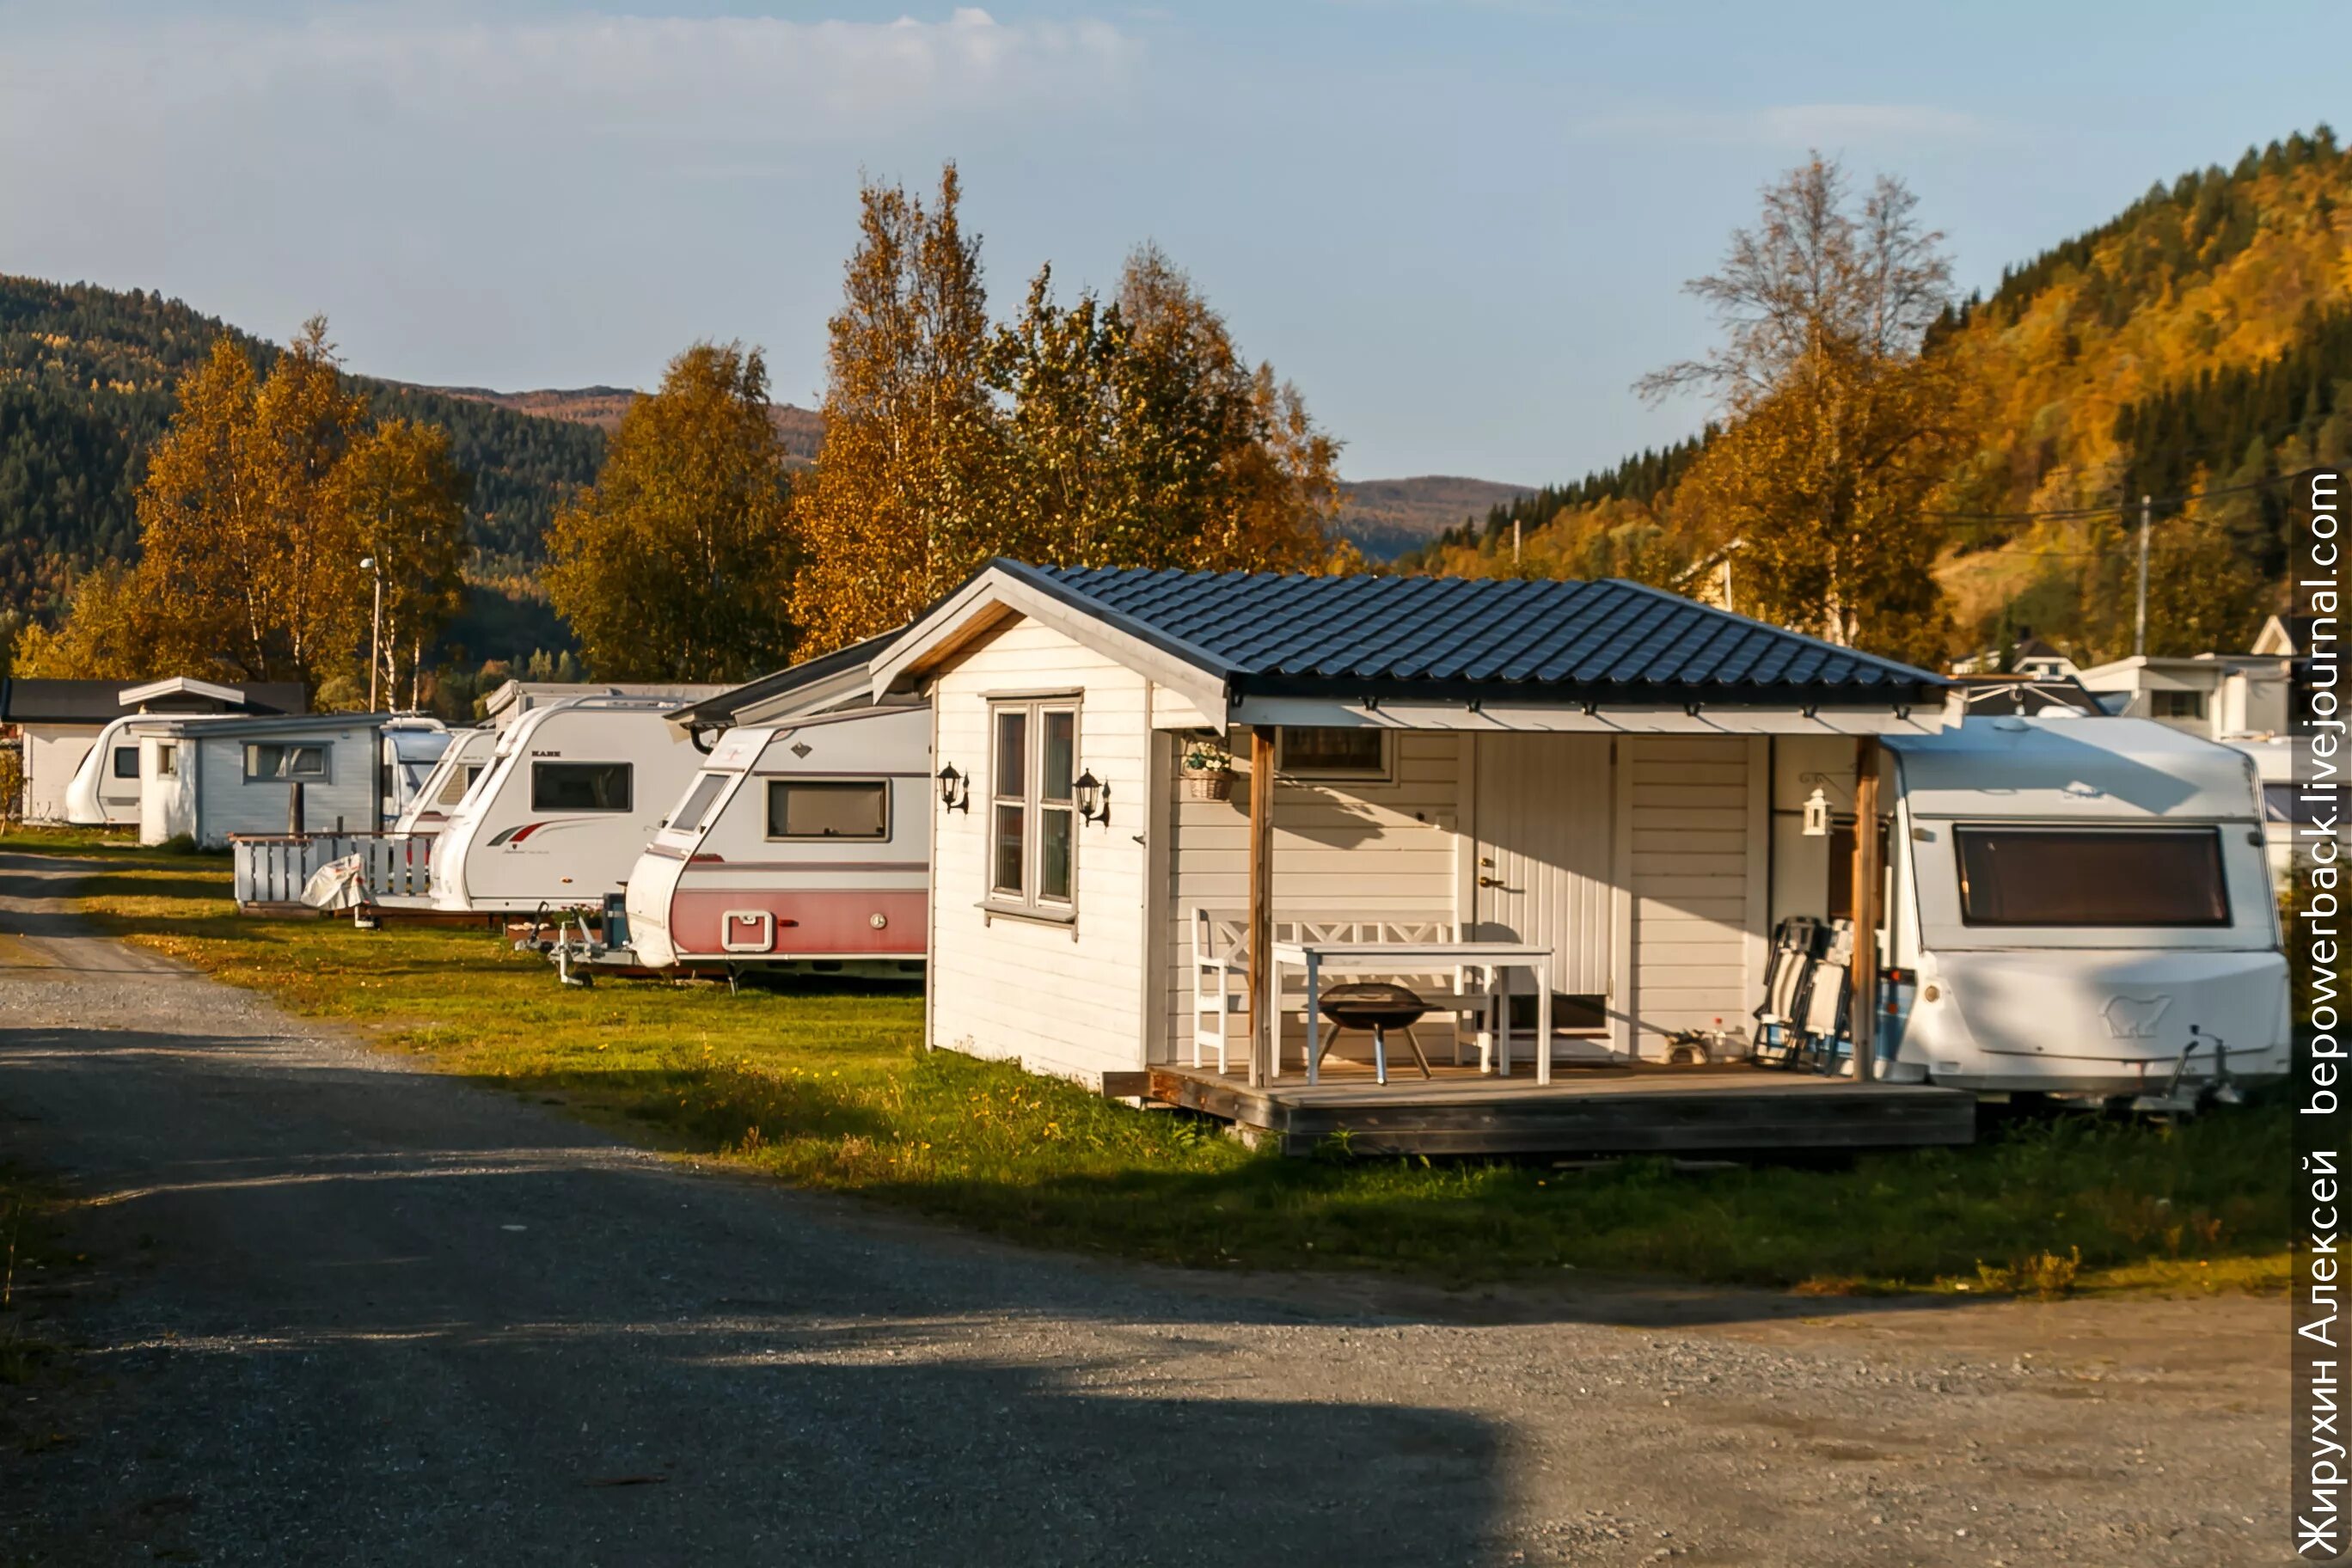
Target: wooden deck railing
x=272 y=866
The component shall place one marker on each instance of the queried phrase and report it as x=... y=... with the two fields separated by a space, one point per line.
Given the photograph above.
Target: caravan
x=464 y=759
x=573 y=793
x=2080 y=907
x=804 y=844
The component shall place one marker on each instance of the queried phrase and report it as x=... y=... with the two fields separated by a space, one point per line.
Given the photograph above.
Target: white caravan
x=465 y=757
x=2080 y=907
x=804 y=845
x=572 y=795
x=104 y=791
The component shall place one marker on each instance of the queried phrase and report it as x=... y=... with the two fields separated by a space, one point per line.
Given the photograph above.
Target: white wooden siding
x=1370 y=848
x=1694 y=856
x=52 y=755
x=1064 y=999
x=224 y=802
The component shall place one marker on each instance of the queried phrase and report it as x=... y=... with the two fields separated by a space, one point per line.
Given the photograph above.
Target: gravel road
x=344 y=1311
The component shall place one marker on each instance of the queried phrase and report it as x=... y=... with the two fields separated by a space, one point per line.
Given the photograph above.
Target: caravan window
x=580 y=786
x=266 y=760
x=2092 y=877
x=696 y=804
x=461 y=779
x=828 y=808
x=126 y=761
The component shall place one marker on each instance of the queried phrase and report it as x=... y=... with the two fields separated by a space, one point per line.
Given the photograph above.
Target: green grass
x=47 y=840
x=827 y=1088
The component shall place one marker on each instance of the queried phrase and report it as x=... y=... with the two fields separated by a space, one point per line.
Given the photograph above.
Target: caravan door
x=1543 y=838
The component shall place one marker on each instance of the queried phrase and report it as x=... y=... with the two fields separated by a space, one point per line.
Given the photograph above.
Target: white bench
x=1220 y=977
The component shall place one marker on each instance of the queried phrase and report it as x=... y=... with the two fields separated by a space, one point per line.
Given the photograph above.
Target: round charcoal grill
x=1377 y=1005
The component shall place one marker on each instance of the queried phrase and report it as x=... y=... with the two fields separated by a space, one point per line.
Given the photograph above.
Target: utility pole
x=2139 y=622
x=1515 y=544
x=375 y=638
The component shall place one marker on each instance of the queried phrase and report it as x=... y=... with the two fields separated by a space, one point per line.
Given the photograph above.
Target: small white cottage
x=59 y=723
x=1604 y=780
x=211 y=777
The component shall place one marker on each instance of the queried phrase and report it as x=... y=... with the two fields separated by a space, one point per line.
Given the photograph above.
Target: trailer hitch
x=2219 y=1088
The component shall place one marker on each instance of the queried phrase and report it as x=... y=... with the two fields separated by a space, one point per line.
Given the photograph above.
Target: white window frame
x=1383 y=774
x=326 y=762
x=167 y=759
x=1027 y=902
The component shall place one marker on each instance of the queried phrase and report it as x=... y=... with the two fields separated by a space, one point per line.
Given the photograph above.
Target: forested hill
x=86 y=379
x=2199 y=340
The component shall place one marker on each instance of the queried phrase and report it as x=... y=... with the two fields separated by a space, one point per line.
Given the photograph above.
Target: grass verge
x=827 y=1088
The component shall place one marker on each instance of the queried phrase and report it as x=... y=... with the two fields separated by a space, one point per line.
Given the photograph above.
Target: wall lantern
x=1093 y=798
x=955 y=790
x=1817 y=813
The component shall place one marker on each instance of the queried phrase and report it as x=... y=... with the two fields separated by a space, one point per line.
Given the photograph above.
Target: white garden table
x=1498 y=959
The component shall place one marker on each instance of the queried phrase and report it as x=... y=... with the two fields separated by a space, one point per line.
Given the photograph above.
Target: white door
x=1544 y=804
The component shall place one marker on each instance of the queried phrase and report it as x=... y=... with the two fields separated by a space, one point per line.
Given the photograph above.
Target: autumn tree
x=404 y=501
x=1137 y=435
x=247 y=551
x=677 y=563
x=900 y=508
x=258 y=506
x=110 y=632
x=1836 y=430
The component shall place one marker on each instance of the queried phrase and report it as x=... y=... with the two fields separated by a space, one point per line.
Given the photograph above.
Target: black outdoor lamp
x=1093 y=798
x=955 y=790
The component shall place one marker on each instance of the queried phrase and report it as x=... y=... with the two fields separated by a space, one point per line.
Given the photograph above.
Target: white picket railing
x=272 y=866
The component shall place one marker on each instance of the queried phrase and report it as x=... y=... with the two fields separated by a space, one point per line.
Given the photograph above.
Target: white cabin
x=209 y=778
x=80 y=738
x=1621 y=818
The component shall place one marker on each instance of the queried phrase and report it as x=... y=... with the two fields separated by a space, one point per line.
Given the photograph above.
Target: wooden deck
x=1722 y=1111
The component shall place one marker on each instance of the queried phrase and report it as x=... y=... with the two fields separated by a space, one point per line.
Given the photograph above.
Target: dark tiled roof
x=1286 y=635
x=97 y=701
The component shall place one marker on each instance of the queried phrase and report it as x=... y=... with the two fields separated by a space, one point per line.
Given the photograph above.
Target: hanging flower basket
x=1209 y=786
x=1208 y=772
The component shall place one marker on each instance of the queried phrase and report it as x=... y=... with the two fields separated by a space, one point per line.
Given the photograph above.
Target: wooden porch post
x=1868 y=878
x=1262 y=1028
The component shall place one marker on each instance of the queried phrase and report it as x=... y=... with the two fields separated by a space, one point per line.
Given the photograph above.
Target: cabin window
x=1319 y=753
x=2176 y=705
x=828 y=808
x=1033 y=807
x=271 y=760
x=2092 y=877
x=126 y=761
x=697 y=803
x=580 y=786
x=167 y=761
x=461 y=779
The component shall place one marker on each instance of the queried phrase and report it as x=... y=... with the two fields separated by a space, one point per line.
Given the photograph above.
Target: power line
x=2088 y=514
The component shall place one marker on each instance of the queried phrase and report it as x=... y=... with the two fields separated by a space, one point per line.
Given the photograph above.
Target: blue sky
x=1459 y=227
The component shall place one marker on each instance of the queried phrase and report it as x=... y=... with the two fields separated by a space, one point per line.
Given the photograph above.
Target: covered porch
x=1583 y=901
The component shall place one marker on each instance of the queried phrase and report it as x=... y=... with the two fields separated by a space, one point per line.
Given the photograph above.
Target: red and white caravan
x=803 y=844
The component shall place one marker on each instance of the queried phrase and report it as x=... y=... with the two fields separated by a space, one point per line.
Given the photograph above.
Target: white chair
x=1221 y=974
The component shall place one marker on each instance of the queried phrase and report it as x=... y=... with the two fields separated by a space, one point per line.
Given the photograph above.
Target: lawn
x=827 y=1087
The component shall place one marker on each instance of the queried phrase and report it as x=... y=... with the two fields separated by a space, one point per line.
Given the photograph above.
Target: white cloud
x=722 y=80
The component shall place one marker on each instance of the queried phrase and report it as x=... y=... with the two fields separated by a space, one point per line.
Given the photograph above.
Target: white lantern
x=1817 y=813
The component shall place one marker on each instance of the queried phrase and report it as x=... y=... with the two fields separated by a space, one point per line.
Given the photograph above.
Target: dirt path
x=347 y=1311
